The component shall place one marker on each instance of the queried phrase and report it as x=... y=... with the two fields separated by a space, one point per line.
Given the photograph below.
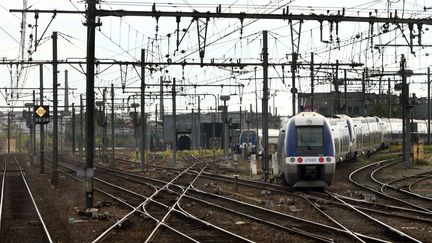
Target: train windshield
x=310 y=140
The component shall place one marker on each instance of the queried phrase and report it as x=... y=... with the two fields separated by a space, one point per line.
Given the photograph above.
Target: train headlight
x=292 y=160
x=299 y=159
x=321 y=159
x=328 y=159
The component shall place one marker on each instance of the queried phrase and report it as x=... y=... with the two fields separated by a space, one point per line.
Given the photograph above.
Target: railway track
x=237 y=207
x=382 y=211
x=376 y=186
x=161 y=208
x=397 y=187
x=281 y=225
x=195 y=200
x=426 y=179
x=19 y=215
x=280 y=221
x=363 y=219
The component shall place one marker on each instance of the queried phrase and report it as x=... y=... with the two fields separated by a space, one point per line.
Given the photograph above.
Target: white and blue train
x=312 y=144
x=249 y=139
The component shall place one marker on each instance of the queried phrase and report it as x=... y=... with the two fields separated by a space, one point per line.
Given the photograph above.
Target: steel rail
x=383 y=185
x=411 y=185
x=410 y=210
x=414 y=218
x=371 y=238
x=409 y=191
x=176 y=203
x=136 y=208
x=292 y=230
x=261 y=186
x=350 y=232
x=297 y=231
x=125 y=202
x=47 y=234
x=240 y=181
x=350 y=177
x=266 y=221
x=139 y=211
x=389 y=227
x=162 y=221
x=188 y=196
x=256 y=219
x=166 y=206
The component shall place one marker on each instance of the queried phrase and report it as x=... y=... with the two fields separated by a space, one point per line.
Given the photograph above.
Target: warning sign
x=41 y=114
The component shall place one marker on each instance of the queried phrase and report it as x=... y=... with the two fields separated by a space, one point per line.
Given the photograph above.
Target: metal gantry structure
x=92 y=14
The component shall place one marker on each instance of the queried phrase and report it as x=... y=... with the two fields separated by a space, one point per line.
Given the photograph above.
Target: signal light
x=292 y=160
x=328 y=159
x=321 y=159
x=299 y=159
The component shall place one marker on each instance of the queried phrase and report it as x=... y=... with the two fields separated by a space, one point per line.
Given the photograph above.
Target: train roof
x=309 y=118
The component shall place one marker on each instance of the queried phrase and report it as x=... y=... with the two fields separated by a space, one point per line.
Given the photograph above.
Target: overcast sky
x=122 y=39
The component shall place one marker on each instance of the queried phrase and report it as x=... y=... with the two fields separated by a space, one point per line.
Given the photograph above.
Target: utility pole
x=265 y=105
x=225 y=98
x=312 y=81
x=9 y=131
x=345 y=92
x=81 y=124
x=143 y=119
x=112 y=124
x=42 y=126
x=134 y=116
x=18 y=139
x=199 y=125
x=156 y=143
x=66 y=99
x=194 y=143
x=33 y=123
x=102 y=121
x=406 y=124
x=429 y=106
x=295 y=46
x=293 y=88
x=256 y=108
x=9 y=126
x=174 y=142
x=336 y=85
x=27 y=114
x=363 y=94
x=240 y=119
x=162 y=110
x=55 y=113
x=61 y=141
x=389 y=99
x=90 y=98
x=73 y=128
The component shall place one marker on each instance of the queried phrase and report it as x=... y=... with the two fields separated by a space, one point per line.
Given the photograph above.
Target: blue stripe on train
x=291 y=139
x=328 y=141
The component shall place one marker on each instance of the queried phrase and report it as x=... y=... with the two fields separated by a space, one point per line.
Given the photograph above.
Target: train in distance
x=310 y=145
x=248 y=140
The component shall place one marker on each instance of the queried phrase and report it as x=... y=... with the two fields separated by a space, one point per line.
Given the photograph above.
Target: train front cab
x=310 y=153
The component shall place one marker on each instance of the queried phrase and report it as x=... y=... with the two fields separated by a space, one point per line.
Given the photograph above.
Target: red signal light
x=299 y=159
